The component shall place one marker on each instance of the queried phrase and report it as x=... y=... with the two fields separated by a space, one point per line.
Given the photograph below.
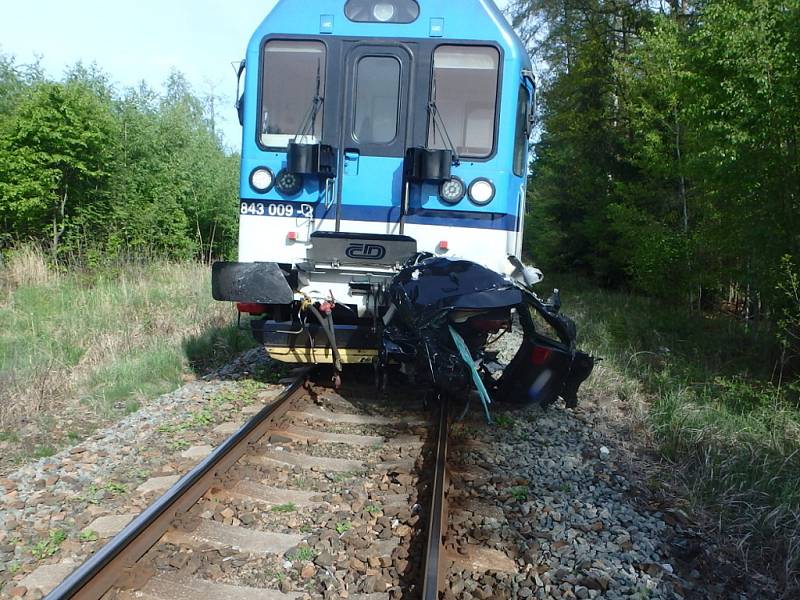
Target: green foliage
x=504 y=421
x=87 y=535
x=668 y=153
x=519 y=493
x=44 y=451
x=217 y=346
x=284 y=508
x=789 y=322
x=115 y=489
x=303 y=554
x=9 y=436
x=343 y=527
x=200 y=419
x=180 y=445
x=194 y=420
x=50 y=546
x=668 y=163
x=272 y=373
x=95 y=175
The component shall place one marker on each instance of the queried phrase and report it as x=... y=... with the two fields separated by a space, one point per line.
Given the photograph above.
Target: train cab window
x=521 y=140
x=377 y=104
x=293 y=76
x=464 y=91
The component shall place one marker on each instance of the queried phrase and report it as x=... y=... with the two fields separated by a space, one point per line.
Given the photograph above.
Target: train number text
x=277 y=209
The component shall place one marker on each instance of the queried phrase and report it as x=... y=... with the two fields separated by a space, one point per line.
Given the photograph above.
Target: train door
x=375 y=127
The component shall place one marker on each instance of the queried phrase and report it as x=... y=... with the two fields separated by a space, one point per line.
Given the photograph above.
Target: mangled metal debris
x=443 y=315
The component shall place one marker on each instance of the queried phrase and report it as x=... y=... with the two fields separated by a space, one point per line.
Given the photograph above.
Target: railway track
x=340 y=490
x=531 y=508
x=329 y=495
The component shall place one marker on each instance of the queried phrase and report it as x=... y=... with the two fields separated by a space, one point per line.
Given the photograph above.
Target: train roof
x=464 y=20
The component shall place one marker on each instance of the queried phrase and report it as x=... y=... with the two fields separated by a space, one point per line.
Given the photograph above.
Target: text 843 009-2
x=277 y=209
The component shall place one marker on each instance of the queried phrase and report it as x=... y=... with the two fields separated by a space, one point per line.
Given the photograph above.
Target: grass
x=504 y=421
x=701 y=386
x=346 y=476
x=50 y=546
x=289 y=507
x=116 y=489
x=272 y=374
x=195 y=420
x=94 y=494
x=180 y=445
x=97 y=345
x=87 y=535
x=45 y=451
x=520 y=493
x=303 y=554
x=343 y=527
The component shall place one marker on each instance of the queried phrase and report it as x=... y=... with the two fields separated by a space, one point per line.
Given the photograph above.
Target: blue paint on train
x=374 y=82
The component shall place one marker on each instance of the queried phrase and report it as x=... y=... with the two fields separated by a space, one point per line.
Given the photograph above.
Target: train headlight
x=452 y=191
x=383 y=12
x=288 y=184
x=262 y=180
x=481 y=192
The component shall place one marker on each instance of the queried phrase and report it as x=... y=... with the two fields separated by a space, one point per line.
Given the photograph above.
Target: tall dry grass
x=96 y=344
x=27 y=265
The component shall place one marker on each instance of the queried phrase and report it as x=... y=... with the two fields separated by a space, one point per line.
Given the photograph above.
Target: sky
x=139 y=40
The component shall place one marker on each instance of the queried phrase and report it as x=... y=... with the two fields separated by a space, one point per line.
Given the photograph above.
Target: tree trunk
x=58 y=228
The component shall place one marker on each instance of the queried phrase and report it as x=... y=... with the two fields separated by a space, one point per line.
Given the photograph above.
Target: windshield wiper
x=438 y=124
x=310 y=120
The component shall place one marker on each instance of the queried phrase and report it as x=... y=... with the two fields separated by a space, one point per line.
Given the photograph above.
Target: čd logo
x=365 y=252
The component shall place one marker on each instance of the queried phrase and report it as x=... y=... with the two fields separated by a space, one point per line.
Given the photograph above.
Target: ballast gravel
x=47 y=506
x=560 y=493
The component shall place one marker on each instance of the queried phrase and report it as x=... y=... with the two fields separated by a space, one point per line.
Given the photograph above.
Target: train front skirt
x=431 y=322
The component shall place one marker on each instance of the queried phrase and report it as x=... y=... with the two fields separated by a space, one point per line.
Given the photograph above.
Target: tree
x=578 y=157
x=55 y=158
x=96 y=175
x=669 y=151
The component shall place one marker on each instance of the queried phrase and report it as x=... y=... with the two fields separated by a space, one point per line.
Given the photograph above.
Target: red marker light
x=443 y=245
x=250 y=308
x=292 y=236
x=540 y=355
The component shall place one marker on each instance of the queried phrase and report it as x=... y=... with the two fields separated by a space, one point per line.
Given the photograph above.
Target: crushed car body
x=438 y=329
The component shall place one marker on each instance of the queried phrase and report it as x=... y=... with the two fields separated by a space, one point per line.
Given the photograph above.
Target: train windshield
x=293 y=91
x=465 y=92
x=377 y=99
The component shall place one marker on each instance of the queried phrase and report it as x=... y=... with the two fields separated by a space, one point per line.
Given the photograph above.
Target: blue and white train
x=384 y=167
x=376 y=132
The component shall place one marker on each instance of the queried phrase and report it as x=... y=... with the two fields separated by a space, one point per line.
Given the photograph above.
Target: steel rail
x=100 y=572
x=437 y=515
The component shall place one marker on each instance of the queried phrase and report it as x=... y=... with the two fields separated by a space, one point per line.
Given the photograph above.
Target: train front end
x=377 y=134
